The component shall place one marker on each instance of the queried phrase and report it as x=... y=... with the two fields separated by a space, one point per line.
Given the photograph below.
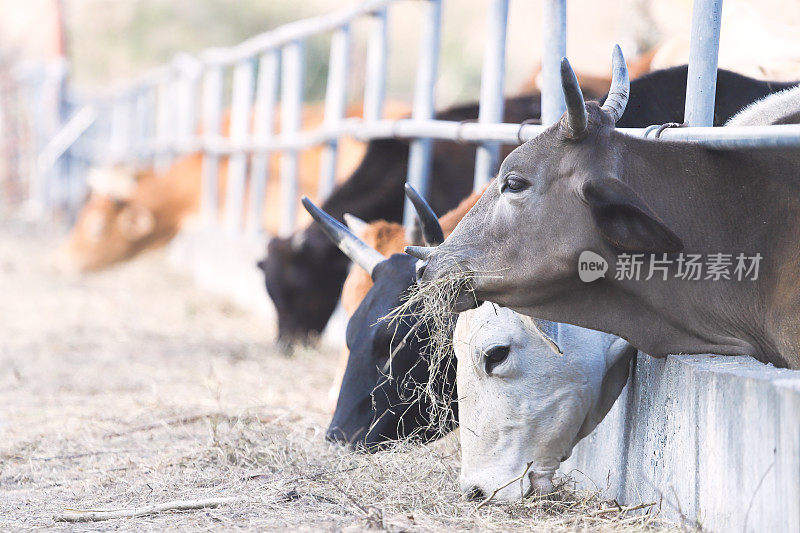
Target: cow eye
x=494 y=356
x=514 y=184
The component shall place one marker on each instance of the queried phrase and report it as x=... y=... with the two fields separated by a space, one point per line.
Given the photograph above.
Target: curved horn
x=355 y=224
x=620 y=86
x=357 y=250
x=576 y=108
x=420 y=252
x=431 y=229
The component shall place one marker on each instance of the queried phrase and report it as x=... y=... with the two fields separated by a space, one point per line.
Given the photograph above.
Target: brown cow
x=127 y=214
x=387 y=238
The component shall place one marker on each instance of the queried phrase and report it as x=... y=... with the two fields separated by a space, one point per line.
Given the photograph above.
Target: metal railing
x=159 y=115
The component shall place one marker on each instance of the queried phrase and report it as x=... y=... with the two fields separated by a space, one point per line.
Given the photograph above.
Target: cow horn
x=420 y=252
x=576 y=108
x=357 y=250
x=431 y=229
x=355 y=224
x=620 y=86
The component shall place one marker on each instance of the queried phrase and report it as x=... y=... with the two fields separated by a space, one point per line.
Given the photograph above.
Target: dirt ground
x=131 y=388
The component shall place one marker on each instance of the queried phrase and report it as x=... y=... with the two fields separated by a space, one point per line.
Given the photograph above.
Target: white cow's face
x=523 y=406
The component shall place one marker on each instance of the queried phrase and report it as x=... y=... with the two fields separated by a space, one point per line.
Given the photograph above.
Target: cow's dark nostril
x=336 y=435
x=475 y=494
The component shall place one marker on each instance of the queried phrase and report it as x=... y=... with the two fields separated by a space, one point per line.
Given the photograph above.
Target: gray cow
x=650 y=209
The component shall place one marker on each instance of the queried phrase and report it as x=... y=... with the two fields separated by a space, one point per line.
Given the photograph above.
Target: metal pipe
x=241 y=103
x=508 y=134
x=188 y=76
x=554 y=26
x=727 y=138
x=335 y=107
x=290 y=33
x=419 y=157
x=375 y=71
x=212 y=115
x=701 y=82
x=292 y=88
x=492 y=84
x=263 y=128
x=164 y=120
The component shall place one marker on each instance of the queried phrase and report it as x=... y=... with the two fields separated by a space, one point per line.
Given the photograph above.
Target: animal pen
x=707 y=435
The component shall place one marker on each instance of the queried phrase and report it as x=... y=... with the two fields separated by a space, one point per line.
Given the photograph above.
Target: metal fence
x=178 y=108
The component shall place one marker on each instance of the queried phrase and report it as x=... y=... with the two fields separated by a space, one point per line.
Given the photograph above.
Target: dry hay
x=431 y=305
x=131 y=388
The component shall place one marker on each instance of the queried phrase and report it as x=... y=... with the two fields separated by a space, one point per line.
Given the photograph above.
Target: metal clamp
x=459 y=139
x=659 y=129
x=526 y=122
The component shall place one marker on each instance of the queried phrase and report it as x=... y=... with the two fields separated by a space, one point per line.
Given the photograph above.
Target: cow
x=387 y=386
x=582 y=187
x=304 y=273
x=129 y=212
x=387 y=238
x=528 y=391
x=354 y=409
x=779 y=108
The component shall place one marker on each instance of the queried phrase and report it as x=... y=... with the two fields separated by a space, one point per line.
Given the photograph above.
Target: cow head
x=114 y=224
x=555 y=197
x=380 y=399
x=523 y=404
x=303 y=295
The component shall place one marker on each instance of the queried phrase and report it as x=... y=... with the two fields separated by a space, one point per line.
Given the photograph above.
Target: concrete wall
x=714 y=440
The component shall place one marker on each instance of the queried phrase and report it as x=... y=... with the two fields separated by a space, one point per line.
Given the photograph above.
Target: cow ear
x=136 y=222
x=617 y=369
x=625 y=219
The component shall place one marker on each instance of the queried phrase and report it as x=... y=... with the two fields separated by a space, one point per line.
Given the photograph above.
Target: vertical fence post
x=241 y=104
x=139 y=108
x=701 y=82
x=212 y=113
x=377 y=50
x=335 y=107
x=119 y=130
x=187 y=72
x=164 y=93
x=292 y=87
x=554 y=22
x=263 y=129
x=492 y=83
x=146 y=119
x=419 y=157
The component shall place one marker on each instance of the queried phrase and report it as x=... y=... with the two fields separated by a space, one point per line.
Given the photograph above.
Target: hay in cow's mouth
x=432 y=306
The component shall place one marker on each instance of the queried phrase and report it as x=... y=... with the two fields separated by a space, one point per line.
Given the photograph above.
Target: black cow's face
x=381 y=401
x=303 y=296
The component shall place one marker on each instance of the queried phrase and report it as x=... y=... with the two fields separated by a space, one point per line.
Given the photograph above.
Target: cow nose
x=475 y=494
x=337 y=436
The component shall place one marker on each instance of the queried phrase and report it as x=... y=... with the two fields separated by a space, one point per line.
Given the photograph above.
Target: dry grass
x=131 y=388
x=430 y=305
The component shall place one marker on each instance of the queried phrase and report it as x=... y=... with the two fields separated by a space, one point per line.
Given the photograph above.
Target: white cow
x=521 y=401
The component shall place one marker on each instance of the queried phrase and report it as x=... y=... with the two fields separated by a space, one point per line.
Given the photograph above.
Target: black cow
x=369 y=340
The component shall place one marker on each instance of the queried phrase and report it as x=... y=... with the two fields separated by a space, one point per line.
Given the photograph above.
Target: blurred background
x=107 y=41
x=56 y=55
